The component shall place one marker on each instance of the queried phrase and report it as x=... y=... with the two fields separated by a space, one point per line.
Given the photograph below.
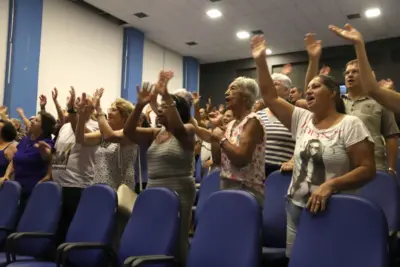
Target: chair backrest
x=385 y=192
x=209 y=185
x=274 y=211
x=153 y=227
x=41 y=214
x=229 y=232
x=10 y=193
x=93 y=221
x=197 y=172
x=352 y=231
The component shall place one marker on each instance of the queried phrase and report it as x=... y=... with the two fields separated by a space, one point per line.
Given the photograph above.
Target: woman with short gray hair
x=242 y=141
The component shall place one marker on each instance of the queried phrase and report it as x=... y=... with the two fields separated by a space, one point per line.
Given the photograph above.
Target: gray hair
x=284 y=79
x=186 y=95
x=250 y=87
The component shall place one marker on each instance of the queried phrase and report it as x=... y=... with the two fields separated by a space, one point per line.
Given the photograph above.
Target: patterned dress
x=250 y=177
x=115 y=164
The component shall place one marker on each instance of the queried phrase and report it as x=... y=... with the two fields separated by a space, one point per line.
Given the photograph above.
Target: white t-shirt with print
x=320 y=155
x=73 y=164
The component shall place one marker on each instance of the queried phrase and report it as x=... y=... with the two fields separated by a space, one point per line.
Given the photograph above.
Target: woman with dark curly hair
x=31 y=163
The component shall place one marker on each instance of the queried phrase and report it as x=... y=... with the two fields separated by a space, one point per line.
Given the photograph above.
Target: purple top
x=3 y=161
x=29 y=167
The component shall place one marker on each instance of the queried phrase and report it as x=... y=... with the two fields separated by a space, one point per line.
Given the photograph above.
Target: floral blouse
x=253 y=174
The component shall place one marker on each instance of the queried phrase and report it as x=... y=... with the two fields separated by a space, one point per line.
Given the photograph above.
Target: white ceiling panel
x=172 y=23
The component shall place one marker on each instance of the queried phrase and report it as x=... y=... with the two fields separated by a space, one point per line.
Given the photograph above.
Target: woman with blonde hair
x=115 y=155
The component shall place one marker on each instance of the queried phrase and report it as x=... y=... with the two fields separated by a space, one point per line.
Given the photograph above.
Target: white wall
x=3 y=44
x=78 y=48
x=156 y=58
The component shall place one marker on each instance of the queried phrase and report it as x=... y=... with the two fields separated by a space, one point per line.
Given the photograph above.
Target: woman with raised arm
x=170 y=157
x=390 y=99
x=334 y=151
x=115 y=155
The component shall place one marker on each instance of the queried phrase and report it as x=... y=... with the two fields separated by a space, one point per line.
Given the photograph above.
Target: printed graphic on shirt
x=312 y=172
x=62 y=156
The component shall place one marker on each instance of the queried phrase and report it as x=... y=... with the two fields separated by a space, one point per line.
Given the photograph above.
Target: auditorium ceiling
x=174 y=23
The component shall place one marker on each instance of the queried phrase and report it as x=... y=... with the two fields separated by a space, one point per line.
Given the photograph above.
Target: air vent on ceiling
x=213 y=1
x=141 y=15
x=99 y=12
x=257 y=32
x=191 y=43
x=354 y=16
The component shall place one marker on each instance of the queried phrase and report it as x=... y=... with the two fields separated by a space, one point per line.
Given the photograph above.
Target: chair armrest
x=128 y=261
x=152 y=259
x=12 y=240
x=5 y=229
x=87 y=246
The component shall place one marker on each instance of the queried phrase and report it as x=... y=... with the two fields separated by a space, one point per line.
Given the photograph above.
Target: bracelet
x=222 y=141
x=101 y=114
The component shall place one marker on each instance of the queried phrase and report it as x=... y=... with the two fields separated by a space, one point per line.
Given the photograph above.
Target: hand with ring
x=318 y=199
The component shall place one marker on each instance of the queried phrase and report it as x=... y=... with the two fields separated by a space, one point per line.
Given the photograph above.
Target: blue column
x=132 y=63
x=23 y=53
x=190 y=74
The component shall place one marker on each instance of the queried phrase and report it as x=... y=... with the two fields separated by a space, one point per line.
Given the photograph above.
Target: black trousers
x=70 y=200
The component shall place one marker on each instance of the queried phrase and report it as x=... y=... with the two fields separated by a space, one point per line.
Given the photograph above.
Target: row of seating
x=383 y=191
x=227 y=231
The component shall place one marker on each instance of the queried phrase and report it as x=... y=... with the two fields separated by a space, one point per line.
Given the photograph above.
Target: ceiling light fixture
x=214 y=13
x=243 y=35
x=268 y=51
x=373 y=13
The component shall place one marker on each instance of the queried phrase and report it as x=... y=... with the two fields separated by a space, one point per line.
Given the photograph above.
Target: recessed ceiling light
x=269 y=51
x=243 y=35
x=373 y=13
x=214 y=13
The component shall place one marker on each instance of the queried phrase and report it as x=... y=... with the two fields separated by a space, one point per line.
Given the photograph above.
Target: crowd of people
x=331 y=143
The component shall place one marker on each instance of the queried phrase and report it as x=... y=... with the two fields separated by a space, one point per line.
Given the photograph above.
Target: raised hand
x=386 y=84
x=349 y=33
x=85 y=107
x=54 y=94
x=325 y=70
x=313 y=47
x=196 y=98
x=42 y=100
x=287 y=69
x=3 y=113
x=161 y=86
x=96 y=98
x=215 y=118
x=258 y=48
x=71 y=99
x=146 y=94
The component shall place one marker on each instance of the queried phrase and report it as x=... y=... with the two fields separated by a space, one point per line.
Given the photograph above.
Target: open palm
x=96 y=98
x=349 y=33
x=145 y=94
x=258 y=47
x=313 y=47
x=163 y=80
